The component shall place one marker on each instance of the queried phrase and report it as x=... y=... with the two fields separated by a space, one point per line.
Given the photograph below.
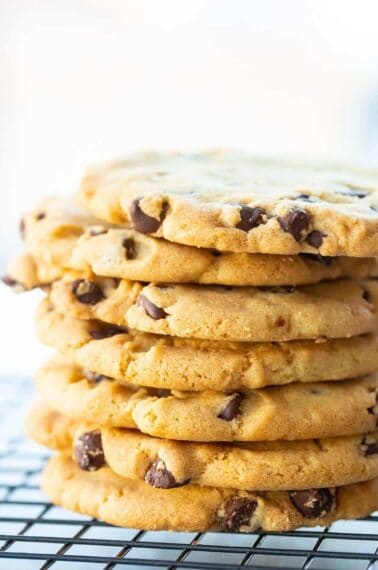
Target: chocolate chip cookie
x=165 y=464
x=232 y=201
x=126 y=502
x=294 y=411
x=189 y=364
x=335 y=309
x=67 y=238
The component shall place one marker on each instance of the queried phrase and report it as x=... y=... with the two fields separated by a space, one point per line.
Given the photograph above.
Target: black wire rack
x=34 y=534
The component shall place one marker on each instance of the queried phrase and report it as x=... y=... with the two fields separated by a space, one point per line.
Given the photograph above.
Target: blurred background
x=83 y=80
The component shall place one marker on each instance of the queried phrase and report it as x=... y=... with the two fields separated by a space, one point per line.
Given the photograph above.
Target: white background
x=87 y=79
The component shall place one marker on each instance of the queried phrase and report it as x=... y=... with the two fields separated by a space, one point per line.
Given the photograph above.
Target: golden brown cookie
x=189 y=364
x=124 y=502
x=232 y=201
x=335 y=309
x=163 y=463
x=59 y=237
x=294 y=411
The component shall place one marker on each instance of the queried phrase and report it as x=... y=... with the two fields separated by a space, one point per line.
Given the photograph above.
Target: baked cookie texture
x=294 y=411
x=232 y=201
x=175 y=363
x=338 y=309
x=60 y=237
x=126 y=502
x=163 y=463
x=215 y=317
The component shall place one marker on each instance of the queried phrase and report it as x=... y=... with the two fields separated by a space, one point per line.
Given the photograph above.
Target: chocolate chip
x=87 y=292
x=366 y=295
x=237 y=513
x=22 y=228
x=353 y=191
x=97 y=231
x=88 y=452
x=129 y=245
x=315 y=238
x=250 y=218
x=40 y=215
x=323 y=259
x=295 y=223
x=369 y=445
x=9 y=281
x=280 y=322
x=94 y=377
x=151 y=309
x=158 y=476
x=232 y=408
x=313 y=503
x=144 y=223
x=305 y=198
x=101 y=330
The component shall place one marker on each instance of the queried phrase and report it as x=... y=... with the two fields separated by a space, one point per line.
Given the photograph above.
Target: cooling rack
x=37 y=535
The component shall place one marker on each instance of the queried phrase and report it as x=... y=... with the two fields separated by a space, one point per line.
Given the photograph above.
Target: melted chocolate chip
x=315 y=238
x=103 y=330
x=94 y=377
x=250 y=218
x=295 y=223
x=40 y=216
x=88 y=451
x=129 y=245
x=151 y=309
x=158 y=476
x=87 y=292
x=280 y=322
x=22 y=228
x=369 y=445
x=323 y=259
x=238 y=512
x=144 y=223
x=313 y=503
x=232 y=408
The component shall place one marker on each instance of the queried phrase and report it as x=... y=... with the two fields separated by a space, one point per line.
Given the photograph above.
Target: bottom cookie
x=124 y=502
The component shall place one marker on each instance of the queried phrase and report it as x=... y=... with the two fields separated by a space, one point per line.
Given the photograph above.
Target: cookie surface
x=294 y=411
x=59 y=237
x=189 y=364
x=336 y=309
x=124 y=502
x=162 y=463
x=235 y=202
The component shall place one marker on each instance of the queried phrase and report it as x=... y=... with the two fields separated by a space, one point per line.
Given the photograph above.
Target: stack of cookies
x=215 y=322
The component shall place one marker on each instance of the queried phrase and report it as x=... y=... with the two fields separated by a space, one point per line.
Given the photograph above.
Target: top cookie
x=234 y=202
x=59 y=236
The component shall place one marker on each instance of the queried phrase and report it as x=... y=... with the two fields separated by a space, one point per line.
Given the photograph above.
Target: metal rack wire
x=35 y=534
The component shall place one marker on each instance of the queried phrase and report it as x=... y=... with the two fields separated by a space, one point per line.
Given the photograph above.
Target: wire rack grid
x=37 y=535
